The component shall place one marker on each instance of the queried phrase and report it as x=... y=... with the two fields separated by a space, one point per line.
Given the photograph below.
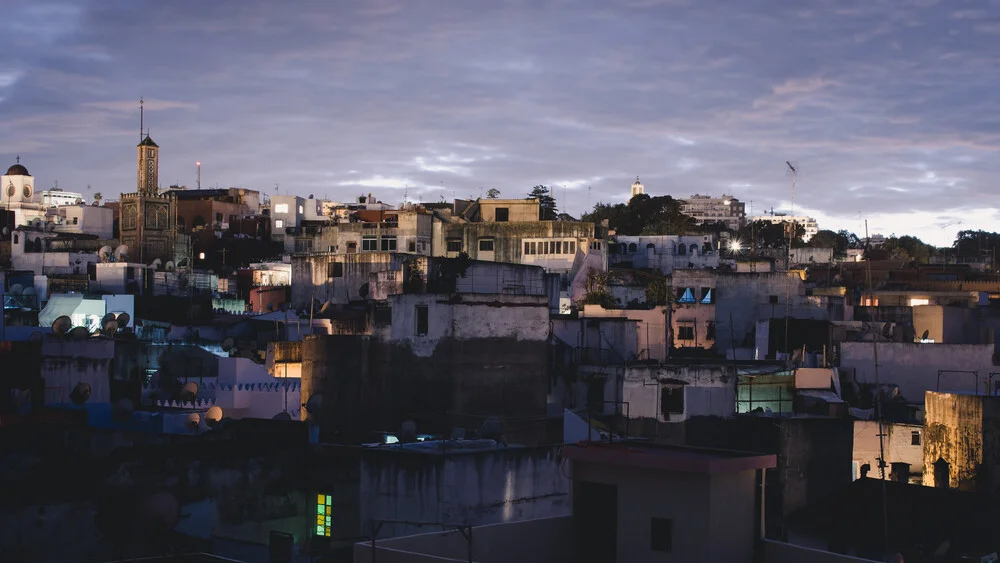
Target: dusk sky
x=888 y=107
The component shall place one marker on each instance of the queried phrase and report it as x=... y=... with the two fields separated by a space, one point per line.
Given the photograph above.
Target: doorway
x=596 y=510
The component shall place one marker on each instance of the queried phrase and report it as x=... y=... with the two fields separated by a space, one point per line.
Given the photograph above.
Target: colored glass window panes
x=324 y=515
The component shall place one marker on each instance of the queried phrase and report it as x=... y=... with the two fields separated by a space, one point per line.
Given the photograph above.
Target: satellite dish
x=80 y=394
x=109 y=328
x=6 y=231
x=121 y=253
x=28 y=291
x=228 y=344
x=314 y=404
x=193 y=420
x=16 y=289
x=213 y=416
x=925 y=335
x=887 y=330
x=408 y=433
x=189 y=392
x=155 y=264
x=62 y=325
x=170 y=266
x=326 y=307
x=79 y=333
x=107 y=317
x=282 y=416
x=363 y=291
x=123 y=320
x=492 y=429
x=122 y=409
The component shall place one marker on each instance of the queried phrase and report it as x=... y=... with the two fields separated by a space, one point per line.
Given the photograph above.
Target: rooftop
x=668 y=458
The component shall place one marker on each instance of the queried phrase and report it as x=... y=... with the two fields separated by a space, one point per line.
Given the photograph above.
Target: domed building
x=17 y=195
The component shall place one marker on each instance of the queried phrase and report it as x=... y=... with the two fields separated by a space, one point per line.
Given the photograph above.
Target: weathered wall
x=708 y=391
x=651 y=329
x=946 y=325
x=914 y=366
x=66 y=363
x=964 y=431
x=508 y=237
x=475 y=488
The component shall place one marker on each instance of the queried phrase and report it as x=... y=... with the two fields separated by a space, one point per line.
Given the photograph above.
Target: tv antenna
x=788 y=263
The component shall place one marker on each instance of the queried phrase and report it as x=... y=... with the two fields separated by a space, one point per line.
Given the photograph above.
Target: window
x=352 y=247
x=411 y=246
x=324 y=515
x=486 y=245
x=454 y=245
x=388 y=244
x=527 y=248
x=502 y=214
x=914 y=302
x=685 y=333
x=680 y=250
x=76 y=220
x=301 y=210
x=369 y=244
x=707 y=295
x=572 y=247
x=218 y=217
x=661 y=534
x=421 y=320
x=633 y=247
x=534 y=248
x=671 y=400
x=335 y=270
x=915 y=438
x=281 y=208
x=279 y=224
x=545 y=247
x=558 y=247
x=710 y=331
x=685 y=295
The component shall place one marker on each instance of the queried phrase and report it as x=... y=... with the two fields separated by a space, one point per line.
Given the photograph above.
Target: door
x=596 y=510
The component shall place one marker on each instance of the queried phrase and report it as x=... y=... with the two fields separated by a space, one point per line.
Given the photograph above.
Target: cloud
x=334 y=98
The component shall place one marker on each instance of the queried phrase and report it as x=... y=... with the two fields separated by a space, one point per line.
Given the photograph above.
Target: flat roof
x=668 y=458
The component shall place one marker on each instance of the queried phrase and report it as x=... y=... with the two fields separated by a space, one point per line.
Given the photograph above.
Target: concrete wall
x=780 y=552
x=898 y=448
x=474 y=488
x=544 y=540
x=664 y=253
x=651 y=328
x=708 y=391
x=700 y=506
x=914 y=367
x=946 y=325
x=811 y=255
x=66 y=363
x=964 y=431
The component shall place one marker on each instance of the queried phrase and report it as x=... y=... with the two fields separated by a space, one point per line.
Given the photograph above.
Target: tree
x=979 y=244
x=839 y=241
x=766 y=234
x=546 y=203
x=97 y=198
x=908 y=248
x=492 y=193
x=643 y=215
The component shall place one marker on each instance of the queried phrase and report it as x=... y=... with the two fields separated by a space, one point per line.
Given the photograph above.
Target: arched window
x=198 y=221
x=180 y=224
x=624 y=248
x=633 y=247
x=650 y=245
x=694 y=249
x=681 y=250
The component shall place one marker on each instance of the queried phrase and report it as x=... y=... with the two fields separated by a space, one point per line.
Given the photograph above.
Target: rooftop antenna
x=141 y=122
x=788 y=255
x=588 y=199
x=198 y=166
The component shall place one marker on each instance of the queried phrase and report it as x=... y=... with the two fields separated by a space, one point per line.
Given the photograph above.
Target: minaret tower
x=637 y=188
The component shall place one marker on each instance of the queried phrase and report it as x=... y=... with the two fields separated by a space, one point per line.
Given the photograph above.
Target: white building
x=85 y=219
x=808 y=223
x=707 y=209
x=57 y=197
x=287 y=211
x=664 y=252
x=17 y=194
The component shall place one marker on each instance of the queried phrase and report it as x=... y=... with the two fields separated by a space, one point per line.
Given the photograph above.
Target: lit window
x=324 y=515
x=279 y=224
x=281 y=208
x=301 y=210
x=914 y=301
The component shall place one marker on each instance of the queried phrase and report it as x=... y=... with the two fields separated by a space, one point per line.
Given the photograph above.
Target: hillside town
x=231 y=372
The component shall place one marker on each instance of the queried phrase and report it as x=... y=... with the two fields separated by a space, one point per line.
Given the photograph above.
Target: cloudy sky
x=888 y=107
